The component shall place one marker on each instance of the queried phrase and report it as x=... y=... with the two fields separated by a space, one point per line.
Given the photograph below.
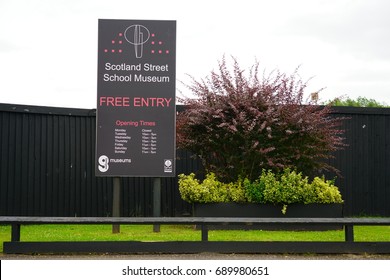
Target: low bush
x=284 y=188
x=323 y=191
x=287 y=188
x=254 y=191
x=210 y=190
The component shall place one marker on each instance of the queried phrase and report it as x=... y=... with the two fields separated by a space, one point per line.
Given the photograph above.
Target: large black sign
x=136 y=98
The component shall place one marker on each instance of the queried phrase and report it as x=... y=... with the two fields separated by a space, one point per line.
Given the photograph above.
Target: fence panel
x=48 y=154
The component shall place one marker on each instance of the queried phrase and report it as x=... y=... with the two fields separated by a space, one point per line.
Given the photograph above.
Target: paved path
x=202 y=256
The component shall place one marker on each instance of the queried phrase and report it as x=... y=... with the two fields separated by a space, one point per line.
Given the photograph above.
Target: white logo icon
x=167 y=165
x=137 y=35
x=103 y=163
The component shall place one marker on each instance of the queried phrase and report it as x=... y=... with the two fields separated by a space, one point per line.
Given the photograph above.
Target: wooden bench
x=204 y=245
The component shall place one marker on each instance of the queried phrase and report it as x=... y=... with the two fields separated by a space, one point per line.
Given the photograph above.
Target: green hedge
x=285 y=188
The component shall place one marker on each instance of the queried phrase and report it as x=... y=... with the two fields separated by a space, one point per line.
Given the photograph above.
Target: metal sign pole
x=156 y=202
x=116 y=208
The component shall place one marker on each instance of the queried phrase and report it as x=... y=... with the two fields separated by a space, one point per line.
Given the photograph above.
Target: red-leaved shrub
x=239 y=124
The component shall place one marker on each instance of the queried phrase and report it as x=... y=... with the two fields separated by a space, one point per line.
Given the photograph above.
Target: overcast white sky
x=48 y=48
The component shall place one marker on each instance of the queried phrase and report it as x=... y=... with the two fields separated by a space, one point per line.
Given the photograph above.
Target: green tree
x=359 y=102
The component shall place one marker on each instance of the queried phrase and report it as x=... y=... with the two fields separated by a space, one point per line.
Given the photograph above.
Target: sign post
x=156 y=201
x=116 y=208
x=136 y=109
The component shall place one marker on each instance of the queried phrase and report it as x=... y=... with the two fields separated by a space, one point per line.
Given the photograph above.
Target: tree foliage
x=358 y=102
x=239 y=124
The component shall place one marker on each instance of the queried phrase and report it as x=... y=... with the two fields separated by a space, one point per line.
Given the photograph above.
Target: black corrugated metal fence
x=47 y=160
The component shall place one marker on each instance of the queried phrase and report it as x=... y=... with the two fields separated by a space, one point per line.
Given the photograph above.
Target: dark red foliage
x=238 y=125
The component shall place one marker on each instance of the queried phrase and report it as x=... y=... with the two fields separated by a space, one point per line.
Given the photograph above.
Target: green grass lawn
x=182 y=233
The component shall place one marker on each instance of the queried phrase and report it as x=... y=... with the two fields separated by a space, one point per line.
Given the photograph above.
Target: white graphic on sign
x=103 y=163
x=168 y=165
x=137 y=35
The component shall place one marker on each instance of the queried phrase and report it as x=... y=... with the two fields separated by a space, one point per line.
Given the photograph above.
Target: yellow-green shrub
x=323 y=191
x=289 y=188
x=209 y=190
x=283 y=189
